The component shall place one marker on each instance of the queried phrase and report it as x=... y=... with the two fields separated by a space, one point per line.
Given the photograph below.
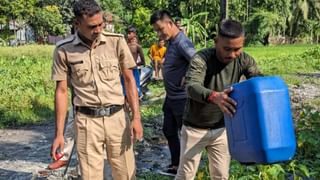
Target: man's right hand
x=58 y=143
x=222 y=99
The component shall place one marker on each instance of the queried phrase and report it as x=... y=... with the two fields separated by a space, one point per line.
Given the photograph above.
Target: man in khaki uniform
x=92 y=61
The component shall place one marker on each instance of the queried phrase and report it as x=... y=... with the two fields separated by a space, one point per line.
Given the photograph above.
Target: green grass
x=34 y=51
x=27 y=98
x=287 y=61
x=26 y=89
x=280 y=51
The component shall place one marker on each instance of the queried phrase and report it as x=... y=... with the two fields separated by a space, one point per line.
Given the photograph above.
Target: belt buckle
x=103 y=111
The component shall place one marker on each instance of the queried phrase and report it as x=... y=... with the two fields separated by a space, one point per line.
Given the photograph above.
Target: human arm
x=196 y=89
x=162 y=60
x=61 y=101
x=250 y=68
x=149 y=54
x=126 y=64
x=187 y=50
x=141 y=54
x=132 y=97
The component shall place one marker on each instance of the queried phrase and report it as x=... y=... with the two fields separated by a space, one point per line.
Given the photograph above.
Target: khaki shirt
x=93 y=73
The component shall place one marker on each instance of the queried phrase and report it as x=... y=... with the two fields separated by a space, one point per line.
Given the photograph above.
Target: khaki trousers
x=193 y=142
x=113 y=132
x=68 y=136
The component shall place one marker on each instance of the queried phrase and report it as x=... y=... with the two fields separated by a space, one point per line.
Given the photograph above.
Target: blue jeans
x=136 y=75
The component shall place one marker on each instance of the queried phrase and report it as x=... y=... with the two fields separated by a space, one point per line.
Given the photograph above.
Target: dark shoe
x=57 y=164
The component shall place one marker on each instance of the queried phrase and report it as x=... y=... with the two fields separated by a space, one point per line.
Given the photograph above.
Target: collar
x=101 y=38
x=77 y=39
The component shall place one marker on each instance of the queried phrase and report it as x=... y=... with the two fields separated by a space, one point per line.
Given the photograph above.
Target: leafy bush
x=26 y=89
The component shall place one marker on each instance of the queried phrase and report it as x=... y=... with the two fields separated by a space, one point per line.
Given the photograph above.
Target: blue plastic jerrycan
x=261 y=131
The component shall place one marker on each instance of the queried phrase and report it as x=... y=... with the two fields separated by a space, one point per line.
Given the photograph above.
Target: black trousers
x=173 y=110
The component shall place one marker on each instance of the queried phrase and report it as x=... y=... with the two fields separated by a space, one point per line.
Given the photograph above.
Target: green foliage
x=195 y=30
x=308 y=157
x=16 y=10
x=146 y=34
x=236 y=10
x=263 y=24
x=26 y=89
x=307 y=62
x=286 y=61
x=6 y=34
x=65 y=8
x=296 y=20
x=301 y=12
x=151 y=110
x=48 y=20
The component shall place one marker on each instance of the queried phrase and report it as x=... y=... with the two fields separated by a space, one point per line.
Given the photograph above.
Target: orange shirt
x=157 y=53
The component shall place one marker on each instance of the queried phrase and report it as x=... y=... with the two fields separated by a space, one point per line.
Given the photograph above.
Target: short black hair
x=177 y=19
x=230 y=29
x=160 y=15
x=86 y=7
x=131 y=28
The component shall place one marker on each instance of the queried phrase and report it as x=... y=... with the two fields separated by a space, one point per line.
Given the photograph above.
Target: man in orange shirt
x=156 y=54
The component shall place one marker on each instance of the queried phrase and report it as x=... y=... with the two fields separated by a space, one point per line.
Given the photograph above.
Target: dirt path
x=24 y=152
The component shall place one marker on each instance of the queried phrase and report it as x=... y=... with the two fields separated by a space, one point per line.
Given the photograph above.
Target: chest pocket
x=80 y=71
x=109 y=69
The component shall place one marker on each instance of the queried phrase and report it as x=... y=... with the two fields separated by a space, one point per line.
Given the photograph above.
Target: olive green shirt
x=207 y=73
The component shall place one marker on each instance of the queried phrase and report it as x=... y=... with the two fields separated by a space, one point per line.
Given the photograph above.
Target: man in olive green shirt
x=210 y=74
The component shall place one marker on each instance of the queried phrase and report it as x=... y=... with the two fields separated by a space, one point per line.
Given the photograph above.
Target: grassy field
x=27 y=91
x=25 y=87
x=287 y=61
x=26 y=96
x=277 y=51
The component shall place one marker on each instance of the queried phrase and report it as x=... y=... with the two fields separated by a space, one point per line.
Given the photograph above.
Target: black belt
x=99 y=111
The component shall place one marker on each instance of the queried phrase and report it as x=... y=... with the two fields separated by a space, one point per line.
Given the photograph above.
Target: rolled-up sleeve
x=195 y=80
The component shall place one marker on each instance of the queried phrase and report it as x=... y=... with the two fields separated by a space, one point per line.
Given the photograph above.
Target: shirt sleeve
x=187 y=49
x=195 y=79
x=125 y=57
x=250 y=68
x=59 y=65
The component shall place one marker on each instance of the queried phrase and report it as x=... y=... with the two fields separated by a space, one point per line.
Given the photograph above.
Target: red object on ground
x=59 y=155
x=57 y=164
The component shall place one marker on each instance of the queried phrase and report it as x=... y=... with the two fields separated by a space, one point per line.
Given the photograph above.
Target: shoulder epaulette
x=66 y=40
x=112 y=34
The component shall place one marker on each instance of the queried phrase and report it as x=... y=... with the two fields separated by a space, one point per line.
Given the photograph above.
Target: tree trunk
x=223 y=9
x=265 y=40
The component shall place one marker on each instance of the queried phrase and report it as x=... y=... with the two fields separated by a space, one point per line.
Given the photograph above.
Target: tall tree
x=263 y=24
x=223 y=9
x=301 y=12
x=48 y=20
